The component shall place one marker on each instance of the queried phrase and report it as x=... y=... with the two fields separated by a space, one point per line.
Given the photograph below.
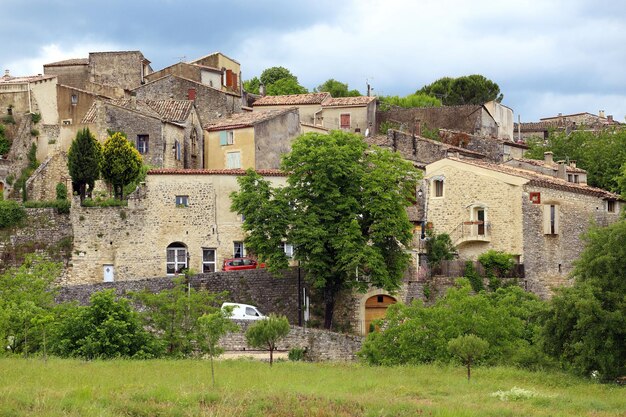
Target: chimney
x=6 y=73
x=609 y=118
x=561 y=172
x=262 y=90
x=572 y=164
x=548 y=158
x=601 y=113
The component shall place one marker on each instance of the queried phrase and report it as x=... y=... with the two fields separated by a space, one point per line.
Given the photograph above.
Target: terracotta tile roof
x=246 y=119
x=292 y=99
x=542 y=180
x=68 y=62
x=263 y=172
x=165 y=110
x=199 y=84
x=348 y=101
x=537 y=126
x=8 y=79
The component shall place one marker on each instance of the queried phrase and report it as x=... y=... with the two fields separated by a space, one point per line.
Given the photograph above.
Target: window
x=569 y=177
x=551 y=219
x=576 y=178
x=438 y=188
x=176 y=258
x=251 y=312
x=182 y=201
x=194 y=143
x=227 y=137
x=610 y=206
x=142 y=144
x=208 y=260
x=74 y=99
x=345 y=121
x=287 y=248
x=239 y=250
x=177 y=150
x=233 y=160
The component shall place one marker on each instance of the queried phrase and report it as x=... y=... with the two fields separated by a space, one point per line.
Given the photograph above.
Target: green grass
x=246 y=388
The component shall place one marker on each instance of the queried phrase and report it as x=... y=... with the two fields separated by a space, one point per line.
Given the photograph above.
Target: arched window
x=176 y=258
x=194 y=142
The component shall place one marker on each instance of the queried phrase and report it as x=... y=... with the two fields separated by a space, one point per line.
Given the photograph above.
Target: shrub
x=476 y=281
x=8 y=119
x=35 y=117
x=34 y=132
x=61 y=191
x=11 y=214
x=296 y=354
x=108 y=202
x=62 y=206
x=497 y=264
x=267 y=333
x=439 y=248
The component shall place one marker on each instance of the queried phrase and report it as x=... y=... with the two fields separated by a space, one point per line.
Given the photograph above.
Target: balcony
x=471 y=231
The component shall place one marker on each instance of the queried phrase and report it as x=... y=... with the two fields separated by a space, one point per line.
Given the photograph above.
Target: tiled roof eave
x=596 y=192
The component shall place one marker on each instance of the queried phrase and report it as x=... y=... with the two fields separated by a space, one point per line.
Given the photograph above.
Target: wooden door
x=376 y=308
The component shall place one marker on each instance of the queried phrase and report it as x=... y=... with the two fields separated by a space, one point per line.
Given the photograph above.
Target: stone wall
x=273 y=138
x=73 y=75
x=549 y=259
x=119 y=69
x=468 y=119
x=42 y=183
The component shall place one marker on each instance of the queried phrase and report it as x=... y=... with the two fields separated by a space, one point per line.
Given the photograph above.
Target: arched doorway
x=376 y=308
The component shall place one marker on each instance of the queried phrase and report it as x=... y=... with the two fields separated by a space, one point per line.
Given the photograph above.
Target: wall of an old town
x=120 y=69
x=73 y=75
x=273 y=138
x=72 y=112
x=549 y=259
x=42 y=184
x=467 y=119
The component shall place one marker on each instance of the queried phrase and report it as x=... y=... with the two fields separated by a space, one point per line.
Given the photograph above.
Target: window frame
x=182 y=201
x=178 y=250
x=228 y=160
x=239 y=247
x=206 y=263
x=610 y=206
x=438 y=188
x=341 y=125
x=146 y=144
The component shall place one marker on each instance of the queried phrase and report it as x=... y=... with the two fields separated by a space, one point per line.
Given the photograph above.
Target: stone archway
x=374 y=305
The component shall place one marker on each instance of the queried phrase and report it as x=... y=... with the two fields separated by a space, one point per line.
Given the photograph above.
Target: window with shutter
x=229 y=78
x=551 y=219
x=345 y=121
x=233 y=160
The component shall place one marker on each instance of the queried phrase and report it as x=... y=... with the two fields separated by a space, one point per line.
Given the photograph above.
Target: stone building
x=167 y=133
x=538 y=218
x=567 y=171
x=105 y=73
x=211 y=103
x=30 y=94
x=352 y=114
x=491 y=119
x=178 y=219
x=251 y=140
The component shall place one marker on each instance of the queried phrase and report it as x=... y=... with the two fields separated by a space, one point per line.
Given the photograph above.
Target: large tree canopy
x=122 y=162
x=337 y=89
x=83 y=161
x=277 y=81
x=469 y=89
x=586 y=325
x=343 y=210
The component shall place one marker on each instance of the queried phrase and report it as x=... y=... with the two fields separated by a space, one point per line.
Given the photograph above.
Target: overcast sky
x=547 y=56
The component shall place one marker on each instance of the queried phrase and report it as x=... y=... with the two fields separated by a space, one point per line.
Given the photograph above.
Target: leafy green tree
x=508 y=319
x=121 y=164
x=277 y=81
x=174 y=314
x=602 y=154
x=585 y=327
x=468 y=348
x=11 y=214
x=107 y=328
x=213 y=327
x=5 y=145
x=267 y=333
x=412 y=100
x=469 y=89
x=61 y=191
x=84 y=159
x=343 y=209
x=336 y=89
x=497 y=265
x=439 y=248
x=26 y=296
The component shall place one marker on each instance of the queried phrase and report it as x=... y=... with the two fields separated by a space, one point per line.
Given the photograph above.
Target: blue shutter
x=223 y=138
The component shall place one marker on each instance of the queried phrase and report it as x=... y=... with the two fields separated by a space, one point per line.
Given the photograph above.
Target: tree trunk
x=469 y=364
x=271 y=355
x=212 y=370
x=329 y=302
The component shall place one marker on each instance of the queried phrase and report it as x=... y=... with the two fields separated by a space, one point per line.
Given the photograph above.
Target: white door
x=109 y=273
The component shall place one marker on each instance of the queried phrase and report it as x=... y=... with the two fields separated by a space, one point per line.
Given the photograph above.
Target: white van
x=244 y=312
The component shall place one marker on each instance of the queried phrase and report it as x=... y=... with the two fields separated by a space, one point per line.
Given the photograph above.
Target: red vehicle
x=237 y=264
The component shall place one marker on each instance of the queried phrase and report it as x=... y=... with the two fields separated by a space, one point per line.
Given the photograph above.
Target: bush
x=62 y=206
x=439 y=247
x=267 y=333
x=35 y=117
x=497 y=264
x=108 y=202
x=34 y=132
x=8 y=119
x=61 y=191
x=476 y=281
x=11 y=214
x=296 y=354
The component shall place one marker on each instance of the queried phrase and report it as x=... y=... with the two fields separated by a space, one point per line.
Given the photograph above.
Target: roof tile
x=246 y=119
x=292 y=99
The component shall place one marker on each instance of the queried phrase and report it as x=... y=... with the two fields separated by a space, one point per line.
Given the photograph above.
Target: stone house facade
x=178 y=219
x=537 y=218
x=211 y=103
x=251 y=140
x=30 y=94
x=105 y=73
x=352 y=114
x=167 y=133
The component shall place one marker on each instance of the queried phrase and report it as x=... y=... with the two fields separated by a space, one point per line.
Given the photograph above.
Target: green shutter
x=223 y=138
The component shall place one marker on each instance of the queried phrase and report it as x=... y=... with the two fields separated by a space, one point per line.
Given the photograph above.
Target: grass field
x=249 y=388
